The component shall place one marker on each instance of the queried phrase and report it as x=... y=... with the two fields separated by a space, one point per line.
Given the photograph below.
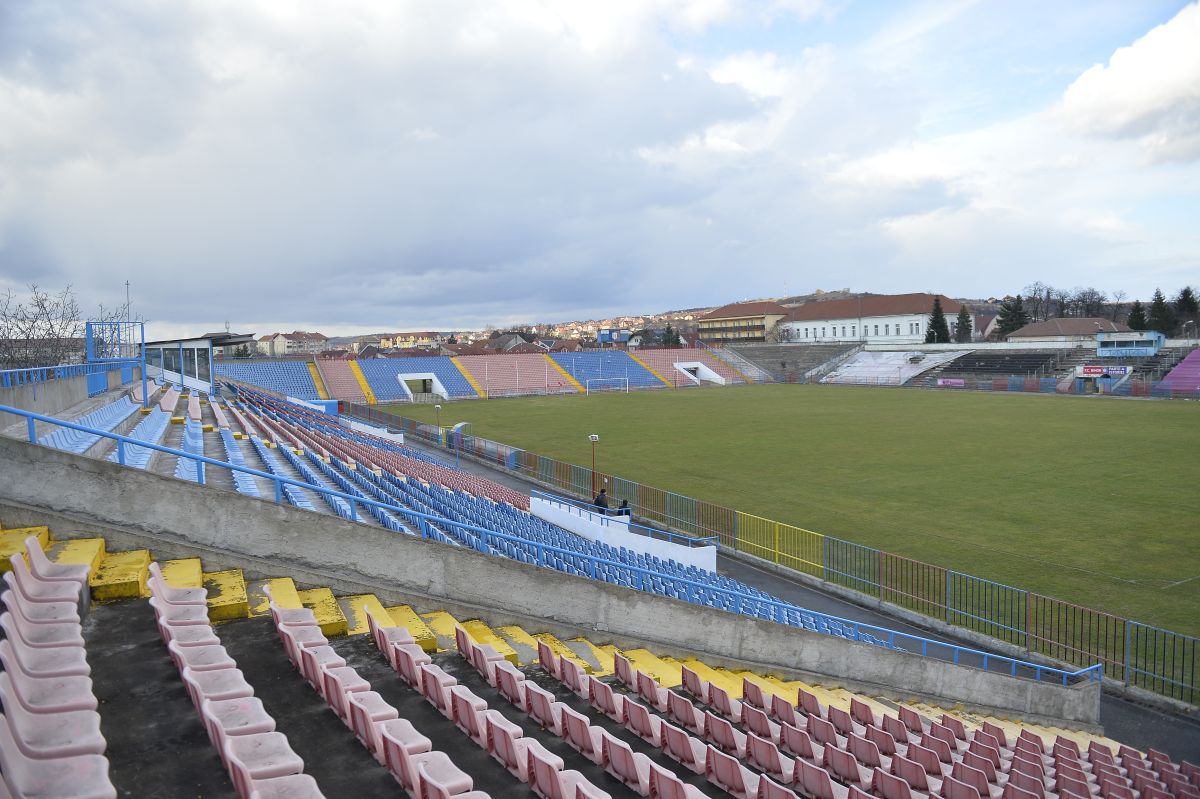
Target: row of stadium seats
x=1185 y=376
x=105 y=418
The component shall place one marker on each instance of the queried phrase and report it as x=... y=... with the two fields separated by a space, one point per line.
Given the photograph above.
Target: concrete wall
x=53 y=396
x=614 y=531
x=82 y=496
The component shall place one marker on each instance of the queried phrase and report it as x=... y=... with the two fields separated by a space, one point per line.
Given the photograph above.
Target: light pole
x=437 y=410
x=593 y=438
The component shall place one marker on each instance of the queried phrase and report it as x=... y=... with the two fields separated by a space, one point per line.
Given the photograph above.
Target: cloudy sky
x=363 y=165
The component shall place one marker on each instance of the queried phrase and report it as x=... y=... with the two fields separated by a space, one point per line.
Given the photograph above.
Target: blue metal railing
x=691 y=589
x=613 y=517
x=10 y=378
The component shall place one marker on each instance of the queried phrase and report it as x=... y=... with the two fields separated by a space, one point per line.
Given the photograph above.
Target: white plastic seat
x=75 y=777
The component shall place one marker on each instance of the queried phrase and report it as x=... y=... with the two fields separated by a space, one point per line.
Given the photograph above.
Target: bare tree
x=1060 y=303
x=1036 y=301
x=45 y=329
x=1118 y=303
x=1087 y=302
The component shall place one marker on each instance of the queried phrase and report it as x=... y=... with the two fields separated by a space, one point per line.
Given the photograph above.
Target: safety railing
x=11 y=378
x=609 y=516
x=690 y=589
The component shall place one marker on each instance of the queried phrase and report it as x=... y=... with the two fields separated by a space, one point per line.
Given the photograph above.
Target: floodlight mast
x=593 y=438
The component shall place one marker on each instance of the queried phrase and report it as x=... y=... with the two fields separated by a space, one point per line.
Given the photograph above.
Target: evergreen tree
x=963 y=329
x=938 y=329
x=1137 y=316
x=1012 y=316
x=1161 y=318
x=671 y=337
x=1186 y=307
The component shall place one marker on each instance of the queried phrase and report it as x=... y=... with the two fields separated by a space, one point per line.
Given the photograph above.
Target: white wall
x=614 y=531
x=895 y=329
x=371 y=431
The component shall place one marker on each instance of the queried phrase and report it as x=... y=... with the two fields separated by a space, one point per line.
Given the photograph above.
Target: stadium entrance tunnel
x=698 y=373
x=416 y=384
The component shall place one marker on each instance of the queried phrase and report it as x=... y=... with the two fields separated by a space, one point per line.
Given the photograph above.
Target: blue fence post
x=353 y=510
x=278 y=491
x=121 y=452
x=32 y=430
x=200 y=472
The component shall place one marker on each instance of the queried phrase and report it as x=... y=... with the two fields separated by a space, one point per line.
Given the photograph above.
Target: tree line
x=1038 y=302
x=44 y=328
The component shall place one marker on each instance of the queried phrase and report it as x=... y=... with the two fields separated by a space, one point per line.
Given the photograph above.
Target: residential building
x=741 y=322
x=298 y=342
x=1081 y=330
x=883 y=319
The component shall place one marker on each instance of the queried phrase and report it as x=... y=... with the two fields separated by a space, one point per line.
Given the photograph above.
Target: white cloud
x=1149 y=90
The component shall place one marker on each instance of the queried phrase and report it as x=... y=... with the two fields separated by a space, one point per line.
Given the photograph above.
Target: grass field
x=1094 y=501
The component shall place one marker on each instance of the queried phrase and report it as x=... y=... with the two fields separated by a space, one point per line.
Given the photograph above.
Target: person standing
x=601 y=501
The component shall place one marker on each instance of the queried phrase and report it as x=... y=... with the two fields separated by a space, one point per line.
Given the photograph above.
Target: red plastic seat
x=75 y=777
x=783 y=710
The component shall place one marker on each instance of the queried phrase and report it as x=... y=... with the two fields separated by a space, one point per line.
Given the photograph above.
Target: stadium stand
x=788 y=363
x=663 y=362
x=340 y=380
x=1004 y=362
x=887 y=368
x=1185 y=376
x=382 y=375
x=605 y=365
x=304 y=693
x=105 y=418
x=513 y=375
x=285 y=377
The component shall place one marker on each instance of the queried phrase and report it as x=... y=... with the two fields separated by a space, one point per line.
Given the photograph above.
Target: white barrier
x=614 y=531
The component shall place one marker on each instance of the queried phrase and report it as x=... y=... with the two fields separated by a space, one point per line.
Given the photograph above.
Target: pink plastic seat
x=59 y=661
x=885 y=743
x=796 y=741
x=682 y=712
x=956 y=789
x=694 y=684
x=680 y=746
x=408 y=660
x=259 y=756
x=728 y=773
x=726 y=705
x=959 y=730
x=983 y=765
x=821 y=731
x=367 y=711
x=384 y=635
x=654 y=694
x=769 y=789
x=442 y=783
x=293 y=786
x=979 y=748
x=996 y=732
x=603 y=699
x=974 y=777
x=510 y=683
x=842 y=765
x=46 y=634
x=200 y=658
x=861 y=712
x=547 y=778
x=296 y=637
x=435 y=686
x=864 y=751
x=313 y=662
x=548 y=660
x=172 y=595
x=1012 y=791
x=757 y=722
x=506 y=743
x=941 y=749
x=912 y=772
x=637 y=720
x=814 y=782
x=20 y=579
x=1026 y=782
x=631 y=768
x=219 y=684
x=74 y=777
x=179 y=614
x=764 y=755
x=45 y=569
x=540 y=705
x=47 y=694
x=244 y=715
x=624 y=670
x=889 y=786
x=753 y=694
x=665 y=785
x=911 y=720
x=51 y=735
x=395 y=735
x=808 y=703
x=485 y=659
x=467 y=711
x=574 y=677
x=338 y=682
x=582 y=737
x=720 y=732
x=841 y=721
x=784 y=711
x=41 y=612
x=894 y=727
x=291 y=617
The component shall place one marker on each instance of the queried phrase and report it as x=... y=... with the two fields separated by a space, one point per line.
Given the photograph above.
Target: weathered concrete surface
x=79 y=496
x=53 y=396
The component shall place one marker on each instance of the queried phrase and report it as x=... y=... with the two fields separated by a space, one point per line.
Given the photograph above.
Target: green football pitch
x=1091 y=500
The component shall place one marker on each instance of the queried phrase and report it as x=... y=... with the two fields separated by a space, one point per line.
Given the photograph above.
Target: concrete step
x=283 y=590
x=86 y=551
x=354 y=608
x=122 y=575
x=324 y=606
x=183 y=573
x=405 y=616
x=12 y=542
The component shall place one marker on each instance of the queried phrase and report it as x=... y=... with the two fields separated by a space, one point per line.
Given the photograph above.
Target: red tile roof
x=739 y=310
x=1084 y=326
x=887 y=305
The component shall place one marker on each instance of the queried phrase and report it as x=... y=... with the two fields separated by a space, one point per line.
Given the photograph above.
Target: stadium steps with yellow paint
x=470 y=378
x=357 y=371
x=118 y=582
x=318 y=381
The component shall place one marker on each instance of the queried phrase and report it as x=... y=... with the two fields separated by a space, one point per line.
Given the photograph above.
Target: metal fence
x=1158 y=660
